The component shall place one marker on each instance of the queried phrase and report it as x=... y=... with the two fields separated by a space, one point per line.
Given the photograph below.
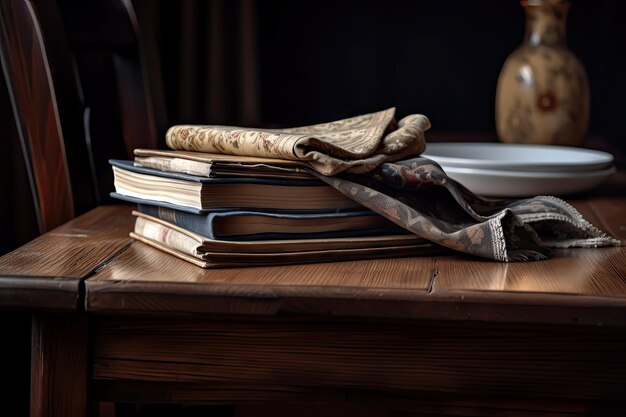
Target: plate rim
x=533 y=174
x=606 y=159
x=489 y=183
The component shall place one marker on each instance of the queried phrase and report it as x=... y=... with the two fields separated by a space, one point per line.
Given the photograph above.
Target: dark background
x=323 y=60
x=437 y=58
x=282 y=63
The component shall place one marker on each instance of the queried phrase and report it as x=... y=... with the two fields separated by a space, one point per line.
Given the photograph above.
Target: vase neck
x=546 y=22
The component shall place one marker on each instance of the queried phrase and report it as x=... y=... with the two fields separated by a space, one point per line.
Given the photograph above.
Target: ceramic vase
x=543 y=93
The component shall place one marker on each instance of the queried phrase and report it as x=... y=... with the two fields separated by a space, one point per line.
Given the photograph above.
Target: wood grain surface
x=46 y=273
x=25 y=64
x=450 y=288
x=414 y=409
x=483 y=360
x=576 y=286
x=574 y=271
x=605 y=211
x=454 y=325
x=298 y=400
x=548 y=335
x=59 y=369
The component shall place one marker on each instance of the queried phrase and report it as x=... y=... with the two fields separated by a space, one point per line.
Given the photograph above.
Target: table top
x=48 y=272
x=119 y=275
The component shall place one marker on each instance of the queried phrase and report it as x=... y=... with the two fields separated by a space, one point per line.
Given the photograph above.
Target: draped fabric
x=357 y=144
x=373 y=160
x=417 y=195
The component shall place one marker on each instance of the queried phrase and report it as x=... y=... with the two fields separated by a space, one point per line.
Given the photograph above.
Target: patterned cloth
x=358 y=144
x=370 y=152
x=417 y=195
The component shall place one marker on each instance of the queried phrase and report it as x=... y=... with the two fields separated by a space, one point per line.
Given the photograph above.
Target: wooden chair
x=71 y=70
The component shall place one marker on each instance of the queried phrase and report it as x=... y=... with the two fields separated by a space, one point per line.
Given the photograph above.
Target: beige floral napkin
x=357 y=144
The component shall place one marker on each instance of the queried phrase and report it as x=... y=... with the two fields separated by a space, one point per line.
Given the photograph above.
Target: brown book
x=220 y=165
x=210 y=253
x=205 y=193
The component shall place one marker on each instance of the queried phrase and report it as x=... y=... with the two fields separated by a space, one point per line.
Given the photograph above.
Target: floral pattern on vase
x=543 y=94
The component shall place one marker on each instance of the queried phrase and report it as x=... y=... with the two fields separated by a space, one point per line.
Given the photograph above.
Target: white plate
x=501 y=183
x=518 y=157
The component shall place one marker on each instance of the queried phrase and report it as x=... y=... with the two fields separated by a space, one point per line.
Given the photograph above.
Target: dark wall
x=356 y=56
x=319 y=60
x=324 y=60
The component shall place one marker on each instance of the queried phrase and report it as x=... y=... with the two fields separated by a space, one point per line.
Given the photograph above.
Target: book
x=255 y=225
x=211 y=253
x=203 y=193
x=219 y=165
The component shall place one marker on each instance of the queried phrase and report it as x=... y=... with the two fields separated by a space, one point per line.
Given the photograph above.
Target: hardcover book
x=203 y=193
x=256 y=225
x=209 y=253
x=220 y=165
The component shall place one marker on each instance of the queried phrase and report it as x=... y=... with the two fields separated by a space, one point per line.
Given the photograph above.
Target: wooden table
x=447 y=335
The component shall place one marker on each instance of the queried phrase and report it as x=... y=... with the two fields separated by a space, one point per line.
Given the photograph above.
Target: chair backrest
x=81 y=94
x=29 y=80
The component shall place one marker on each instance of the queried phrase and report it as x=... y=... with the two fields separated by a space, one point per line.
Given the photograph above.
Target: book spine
x=197 y=223
x=166 y=236
x=186 y=166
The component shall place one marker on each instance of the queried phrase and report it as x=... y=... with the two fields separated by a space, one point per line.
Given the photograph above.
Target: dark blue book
x=258 y=225
x=204 y=193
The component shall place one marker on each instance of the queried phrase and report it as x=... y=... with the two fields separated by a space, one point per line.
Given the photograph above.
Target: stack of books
x=223 y=210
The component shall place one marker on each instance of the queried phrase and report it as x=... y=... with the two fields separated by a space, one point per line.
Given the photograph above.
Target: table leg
x=59 y=366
